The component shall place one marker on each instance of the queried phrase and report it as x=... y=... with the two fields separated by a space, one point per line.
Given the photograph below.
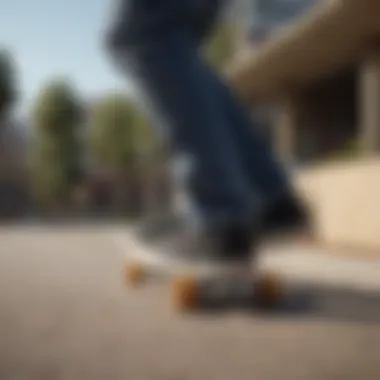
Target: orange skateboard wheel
x=134 y=274
x=185 y=293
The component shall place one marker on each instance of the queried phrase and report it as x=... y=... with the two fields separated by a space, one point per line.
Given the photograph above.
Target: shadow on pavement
x=315 y=302
x=326 y=302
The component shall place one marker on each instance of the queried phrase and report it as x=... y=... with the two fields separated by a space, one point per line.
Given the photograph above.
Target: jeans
x=232 y=173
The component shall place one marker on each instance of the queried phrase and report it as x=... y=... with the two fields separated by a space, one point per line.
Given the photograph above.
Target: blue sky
x=50 y=38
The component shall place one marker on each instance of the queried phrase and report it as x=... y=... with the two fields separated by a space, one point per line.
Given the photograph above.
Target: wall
x=345 y=197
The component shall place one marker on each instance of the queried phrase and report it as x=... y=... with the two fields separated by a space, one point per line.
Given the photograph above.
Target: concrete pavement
x=65 y=314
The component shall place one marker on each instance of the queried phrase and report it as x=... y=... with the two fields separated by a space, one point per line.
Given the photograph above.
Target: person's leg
x=166 y=66
x=264 y=172
x=172 y=77
x=283 y=209
x=260 y=165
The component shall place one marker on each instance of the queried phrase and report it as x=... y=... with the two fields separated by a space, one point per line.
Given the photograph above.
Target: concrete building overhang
x=333 y=35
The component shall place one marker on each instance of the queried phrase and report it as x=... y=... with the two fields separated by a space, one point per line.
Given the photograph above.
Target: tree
x=122 y=140
x=222 y=44
x=7 y=83
x=56 y=154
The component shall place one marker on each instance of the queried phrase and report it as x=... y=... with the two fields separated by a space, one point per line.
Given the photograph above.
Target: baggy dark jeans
x=232 y=172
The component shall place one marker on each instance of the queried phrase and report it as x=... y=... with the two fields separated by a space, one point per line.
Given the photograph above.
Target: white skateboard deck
x=137 y=252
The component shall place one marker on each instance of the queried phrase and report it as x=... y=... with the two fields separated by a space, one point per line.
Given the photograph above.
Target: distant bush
x=350 y=150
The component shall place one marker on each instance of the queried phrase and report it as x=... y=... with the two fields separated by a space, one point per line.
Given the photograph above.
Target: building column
x=286 y=130
x=369 y=98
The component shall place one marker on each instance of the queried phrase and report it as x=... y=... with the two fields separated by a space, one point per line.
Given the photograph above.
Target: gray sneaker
x=173 y=237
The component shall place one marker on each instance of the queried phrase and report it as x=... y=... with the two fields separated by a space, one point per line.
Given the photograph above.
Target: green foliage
x=353 y=148
x=350 y=150
x=120 y=134
x=121 y=140
x=57 y=109
x=7 y=82
x=56 y=153
x=222 y=45
x=50 y=184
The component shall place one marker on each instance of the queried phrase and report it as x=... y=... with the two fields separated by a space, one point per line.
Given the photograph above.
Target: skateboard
x=196 y=285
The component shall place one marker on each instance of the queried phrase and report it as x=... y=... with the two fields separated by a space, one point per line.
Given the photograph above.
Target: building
x=258 y=20
x=320 y=76
x=322 y=72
